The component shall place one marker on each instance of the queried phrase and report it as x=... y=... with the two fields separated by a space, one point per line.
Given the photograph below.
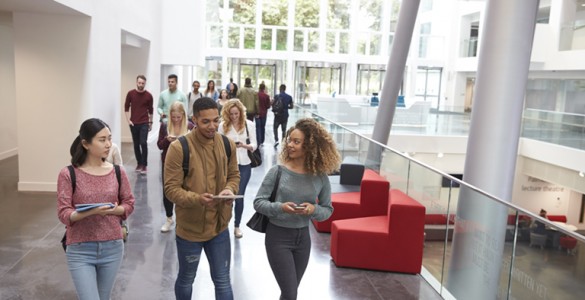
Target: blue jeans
x=139 y=139
x=93 y=267
x=245 y=173
x=260 y=130
x=218 y=252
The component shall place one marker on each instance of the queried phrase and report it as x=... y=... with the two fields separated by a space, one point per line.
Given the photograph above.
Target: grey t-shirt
x=297 y=188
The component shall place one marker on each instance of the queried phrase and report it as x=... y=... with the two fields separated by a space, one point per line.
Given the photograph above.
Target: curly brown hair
x=225 y=114
x=321 y=155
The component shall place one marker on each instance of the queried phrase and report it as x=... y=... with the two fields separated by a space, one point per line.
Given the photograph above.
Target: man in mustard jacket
x=202 y=220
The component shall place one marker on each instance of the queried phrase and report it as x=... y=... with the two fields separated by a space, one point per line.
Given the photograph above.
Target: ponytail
x=78 y=152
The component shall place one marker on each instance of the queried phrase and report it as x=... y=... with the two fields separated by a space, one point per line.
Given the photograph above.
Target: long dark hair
x=89 y=128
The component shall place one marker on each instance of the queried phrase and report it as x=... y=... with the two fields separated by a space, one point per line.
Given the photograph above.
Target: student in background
x=94 y=240
x=167 y=134
x=233 y=125
x=210 y=91
x=263 y=105
x=114 y=157
x=308 y=156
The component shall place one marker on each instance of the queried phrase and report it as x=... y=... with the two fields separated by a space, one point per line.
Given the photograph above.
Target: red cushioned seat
x=392 y=242
x=371 y=200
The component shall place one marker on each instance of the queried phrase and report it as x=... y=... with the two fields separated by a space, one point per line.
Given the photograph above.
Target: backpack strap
x=227 y=147
x=72 y=176
x=185 y=146
x=118 y=177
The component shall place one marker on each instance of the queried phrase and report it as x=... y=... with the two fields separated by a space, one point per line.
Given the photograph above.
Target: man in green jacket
x=249 y=97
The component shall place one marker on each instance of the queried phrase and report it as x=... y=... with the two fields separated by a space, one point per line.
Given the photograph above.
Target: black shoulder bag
x=259 y=221
x=256 y=156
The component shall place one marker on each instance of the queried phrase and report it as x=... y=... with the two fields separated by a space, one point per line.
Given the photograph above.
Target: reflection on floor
x=32 y=263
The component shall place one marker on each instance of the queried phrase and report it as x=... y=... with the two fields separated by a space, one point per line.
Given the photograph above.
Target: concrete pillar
x=393 y=78
x=504 y=59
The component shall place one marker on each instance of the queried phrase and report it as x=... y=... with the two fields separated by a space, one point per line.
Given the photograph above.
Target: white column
x=503 y=64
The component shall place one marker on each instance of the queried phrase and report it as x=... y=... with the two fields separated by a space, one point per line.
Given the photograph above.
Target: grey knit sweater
x=297 y=188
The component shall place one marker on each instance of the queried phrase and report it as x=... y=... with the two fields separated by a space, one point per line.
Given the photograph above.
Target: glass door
x=317 y=78
x=428 y=85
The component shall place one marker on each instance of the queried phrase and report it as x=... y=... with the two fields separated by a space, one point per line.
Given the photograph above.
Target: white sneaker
x=238 y=233
x=167 y=225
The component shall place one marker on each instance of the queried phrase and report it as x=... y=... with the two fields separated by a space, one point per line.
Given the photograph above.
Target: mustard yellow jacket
x=209 y=172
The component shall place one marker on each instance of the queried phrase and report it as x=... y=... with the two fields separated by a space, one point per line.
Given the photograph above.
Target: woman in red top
x=167 y=134
x=94 y=237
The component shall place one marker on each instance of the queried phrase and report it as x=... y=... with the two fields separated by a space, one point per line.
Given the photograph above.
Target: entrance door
x=258 y=71
x=317 y=78
x=428 y=85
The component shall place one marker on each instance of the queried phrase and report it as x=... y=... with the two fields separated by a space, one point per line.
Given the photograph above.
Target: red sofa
x=391 y=242
x=371 y=200
x=557 y=218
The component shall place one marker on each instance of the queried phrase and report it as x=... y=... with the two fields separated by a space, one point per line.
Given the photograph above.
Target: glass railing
x=554 y=127
x=558 y=128
x=498 y=250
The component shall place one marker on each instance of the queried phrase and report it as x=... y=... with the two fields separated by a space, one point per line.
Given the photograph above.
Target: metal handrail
x=460 y=182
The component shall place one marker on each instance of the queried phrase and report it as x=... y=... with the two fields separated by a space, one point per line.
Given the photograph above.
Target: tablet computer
x=227 y=197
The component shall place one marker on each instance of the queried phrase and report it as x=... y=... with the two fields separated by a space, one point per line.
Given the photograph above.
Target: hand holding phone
x=298 y=207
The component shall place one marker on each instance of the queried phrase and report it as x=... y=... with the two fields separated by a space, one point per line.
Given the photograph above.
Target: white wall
x=183 y=41
x=9 y=144
x=50 y=84
x=73 y=63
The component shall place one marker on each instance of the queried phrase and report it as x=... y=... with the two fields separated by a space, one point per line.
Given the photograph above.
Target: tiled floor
x=32 y=262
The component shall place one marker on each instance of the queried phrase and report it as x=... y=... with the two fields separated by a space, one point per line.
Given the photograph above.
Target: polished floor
x=32 y=262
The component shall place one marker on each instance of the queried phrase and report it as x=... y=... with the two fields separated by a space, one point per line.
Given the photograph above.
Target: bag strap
x=247 y=134
x=273 y=194
x=185 y=146
x=72 y=176
x=74 y=179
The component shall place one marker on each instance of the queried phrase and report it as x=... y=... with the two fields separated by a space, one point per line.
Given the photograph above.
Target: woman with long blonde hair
x=169 y=132
x=235 y=126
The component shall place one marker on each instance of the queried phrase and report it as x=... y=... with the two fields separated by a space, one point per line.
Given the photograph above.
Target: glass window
x=425 y=30
x=330 y=40
x=215 y=36
x=394 y=15
x=249 y=38
x=338 y=14
x=244 y=12
x=313 y=41
x=266 y=43
x=212 y=11
x=361 y=45
x=298 y=40
x=370 y=15
x=307 y=13
x=426 y=5
x=375 y=42
x=234 y=37
x=344 y=42
x=275 y=12
x=281 y=39
x=390 y=40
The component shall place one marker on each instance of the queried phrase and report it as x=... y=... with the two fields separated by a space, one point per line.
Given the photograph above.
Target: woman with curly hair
x=235 y=126
x=307 y=158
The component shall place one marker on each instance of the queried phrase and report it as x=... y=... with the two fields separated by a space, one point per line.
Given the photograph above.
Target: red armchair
x=568 y=242
x=371 y=200
x=392 y=242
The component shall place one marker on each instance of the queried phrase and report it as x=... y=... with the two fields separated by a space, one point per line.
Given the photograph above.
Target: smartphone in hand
x=299 y=207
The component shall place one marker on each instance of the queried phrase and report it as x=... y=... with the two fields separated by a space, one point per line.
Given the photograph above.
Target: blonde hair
x=225 y=114
x=177 y=107
x=321 y=155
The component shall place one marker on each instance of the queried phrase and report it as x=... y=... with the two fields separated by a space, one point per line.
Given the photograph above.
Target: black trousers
x=279 y=121
x=288 y=251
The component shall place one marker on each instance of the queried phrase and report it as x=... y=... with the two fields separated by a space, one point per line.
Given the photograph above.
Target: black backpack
x=185 y=146
x=278 y=105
